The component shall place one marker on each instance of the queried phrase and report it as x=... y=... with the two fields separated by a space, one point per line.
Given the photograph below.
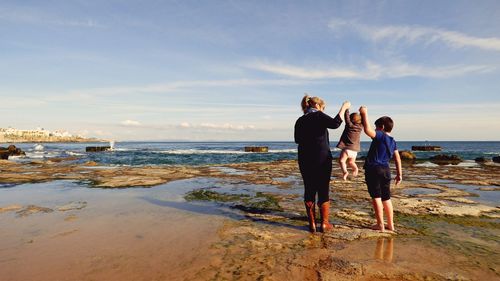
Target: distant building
x=38 y=135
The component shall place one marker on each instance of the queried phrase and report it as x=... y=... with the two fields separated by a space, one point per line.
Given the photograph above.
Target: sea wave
x=202 y=151
x=72 y=153
x=289 y=150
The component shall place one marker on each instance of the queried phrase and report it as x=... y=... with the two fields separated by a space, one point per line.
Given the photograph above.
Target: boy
x=377 y=171
x=350 y=144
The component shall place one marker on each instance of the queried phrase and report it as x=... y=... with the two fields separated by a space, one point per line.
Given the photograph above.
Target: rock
x=426 y=148
x=342 y=266
x=10 y=208
x=4 y=154
x=256 y=149
x=97 y=148
x=496 y=159
x=72 y=206
x=444 y=159
x=407 y=155
x=481 y=159
x=32 y=209
x=11 y=150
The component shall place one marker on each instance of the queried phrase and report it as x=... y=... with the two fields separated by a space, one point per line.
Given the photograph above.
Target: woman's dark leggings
x=316 y=180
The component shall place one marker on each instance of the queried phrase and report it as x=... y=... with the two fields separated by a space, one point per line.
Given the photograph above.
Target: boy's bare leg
x=379 y=214
x=389 y=214
x=389 y=249
x=379 y=249
x=343 y=166
x=354 y=167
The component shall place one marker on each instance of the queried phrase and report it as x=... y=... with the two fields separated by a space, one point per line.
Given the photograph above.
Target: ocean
x=200 y=153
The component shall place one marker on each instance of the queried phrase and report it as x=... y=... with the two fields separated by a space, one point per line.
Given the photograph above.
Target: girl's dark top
x=311 y=135
x=350 y=138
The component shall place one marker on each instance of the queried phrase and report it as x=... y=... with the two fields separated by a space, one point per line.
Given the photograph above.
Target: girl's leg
x=343 y=166
x=389 y=214
x=354 y=167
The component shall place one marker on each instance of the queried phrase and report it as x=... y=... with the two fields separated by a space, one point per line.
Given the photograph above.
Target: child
x=377 y=172
x=349 y=143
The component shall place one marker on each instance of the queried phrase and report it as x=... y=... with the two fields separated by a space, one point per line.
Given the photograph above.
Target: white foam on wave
x=36 y=155
x=14 y=157
x=38 y=147
x=427 y=164
x=72 y=153
x=125 y=149
x=467 y=163
x=289 y=150
x=199 y=151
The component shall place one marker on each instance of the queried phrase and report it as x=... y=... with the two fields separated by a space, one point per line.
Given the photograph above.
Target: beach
x=66 y=219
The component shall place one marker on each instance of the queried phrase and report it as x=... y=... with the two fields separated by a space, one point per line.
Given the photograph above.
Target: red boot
x=325 y=214
x=311 y=215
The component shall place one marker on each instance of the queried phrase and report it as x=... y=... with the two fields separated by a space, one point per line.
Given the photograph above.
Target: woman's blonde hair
x=308 y=102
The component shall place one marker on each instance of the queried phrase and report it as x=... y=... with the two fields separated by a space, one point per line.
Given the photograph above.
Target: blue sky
x=237 y=70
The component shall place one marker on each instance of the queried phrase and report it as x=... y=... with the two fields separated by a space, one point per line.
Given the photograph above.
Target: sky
x=237 y=70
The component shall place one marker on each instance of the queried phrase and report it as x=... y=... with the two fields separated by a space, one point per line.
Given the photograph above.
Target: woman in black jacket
x=315 y=157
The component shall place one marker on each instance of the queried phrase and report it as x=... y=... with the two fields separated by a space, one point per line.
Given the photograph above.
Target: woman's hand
x=346 y=105
x=343 y=108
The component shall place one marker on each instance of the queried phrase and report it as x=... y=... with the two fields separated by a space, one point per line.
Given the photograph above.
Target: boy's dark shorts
x=378 y=180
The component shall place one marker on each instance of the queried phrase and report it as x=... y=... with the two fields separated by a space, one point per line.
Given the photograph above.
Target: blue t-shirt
x=381 y=150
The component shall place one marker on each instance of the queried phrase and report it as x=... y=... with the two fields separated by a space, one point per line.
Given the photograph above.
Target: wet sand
x=118 y=235
x=240 y=222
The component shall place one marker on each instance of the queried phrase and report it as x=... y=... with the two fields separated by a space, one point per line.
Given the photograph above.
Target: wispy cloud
x=181 y=85
x=413 y=34
x=369 y=71
x=31 y=17
x=205 y=126
x=213 y=126
x=130 y=123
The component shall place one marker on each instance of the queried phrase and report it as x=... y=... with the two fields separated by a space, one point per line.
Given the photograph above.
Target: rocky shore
x=269 y=238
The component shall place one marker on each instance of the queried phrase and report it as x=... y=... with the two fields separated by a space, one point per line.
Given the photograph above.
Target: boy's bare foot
x=390 y=228
x=355 y=173
x=344 y=176
x=378 y=227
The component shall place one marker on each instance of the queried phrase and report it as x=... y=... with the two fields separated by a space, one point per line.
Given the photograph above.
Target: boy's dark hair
x=385 y=122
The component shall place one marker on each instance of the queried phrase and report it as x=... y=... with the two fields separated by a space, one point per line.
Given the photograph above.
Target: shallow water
x=491 y=198
x=419 y=191
x=118 y=234
x=393 y=255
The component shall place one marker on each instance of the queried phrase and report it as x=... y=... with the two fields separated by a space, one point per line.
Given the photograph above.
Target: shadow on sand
x=210 y=208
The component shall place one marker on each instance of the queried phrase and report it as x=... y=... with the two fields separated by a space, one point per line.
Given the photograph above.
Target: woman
x=315 y=157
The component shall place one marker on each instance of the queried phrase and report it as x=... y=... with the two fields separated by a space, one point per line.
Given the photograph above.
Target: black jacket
x=311 y=135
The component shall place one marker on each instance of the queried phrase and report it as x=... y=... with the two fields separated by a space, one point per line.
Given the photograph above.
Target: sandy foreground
x=60 y=220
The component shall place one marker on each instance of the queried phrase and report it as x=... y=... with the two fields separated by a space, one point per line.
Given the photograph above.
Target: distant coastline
x=40 y=135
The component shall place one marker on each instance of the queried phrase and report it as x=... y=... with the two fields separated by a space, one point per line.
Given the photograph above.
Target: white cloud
x=370 y=71
x=130 y=123
x=224 y=126
x=185 y=125
x=414 y=34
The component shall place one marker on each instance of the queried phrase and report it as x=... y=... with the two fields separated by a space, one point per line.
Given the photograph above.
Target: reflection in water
x=386 y=253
